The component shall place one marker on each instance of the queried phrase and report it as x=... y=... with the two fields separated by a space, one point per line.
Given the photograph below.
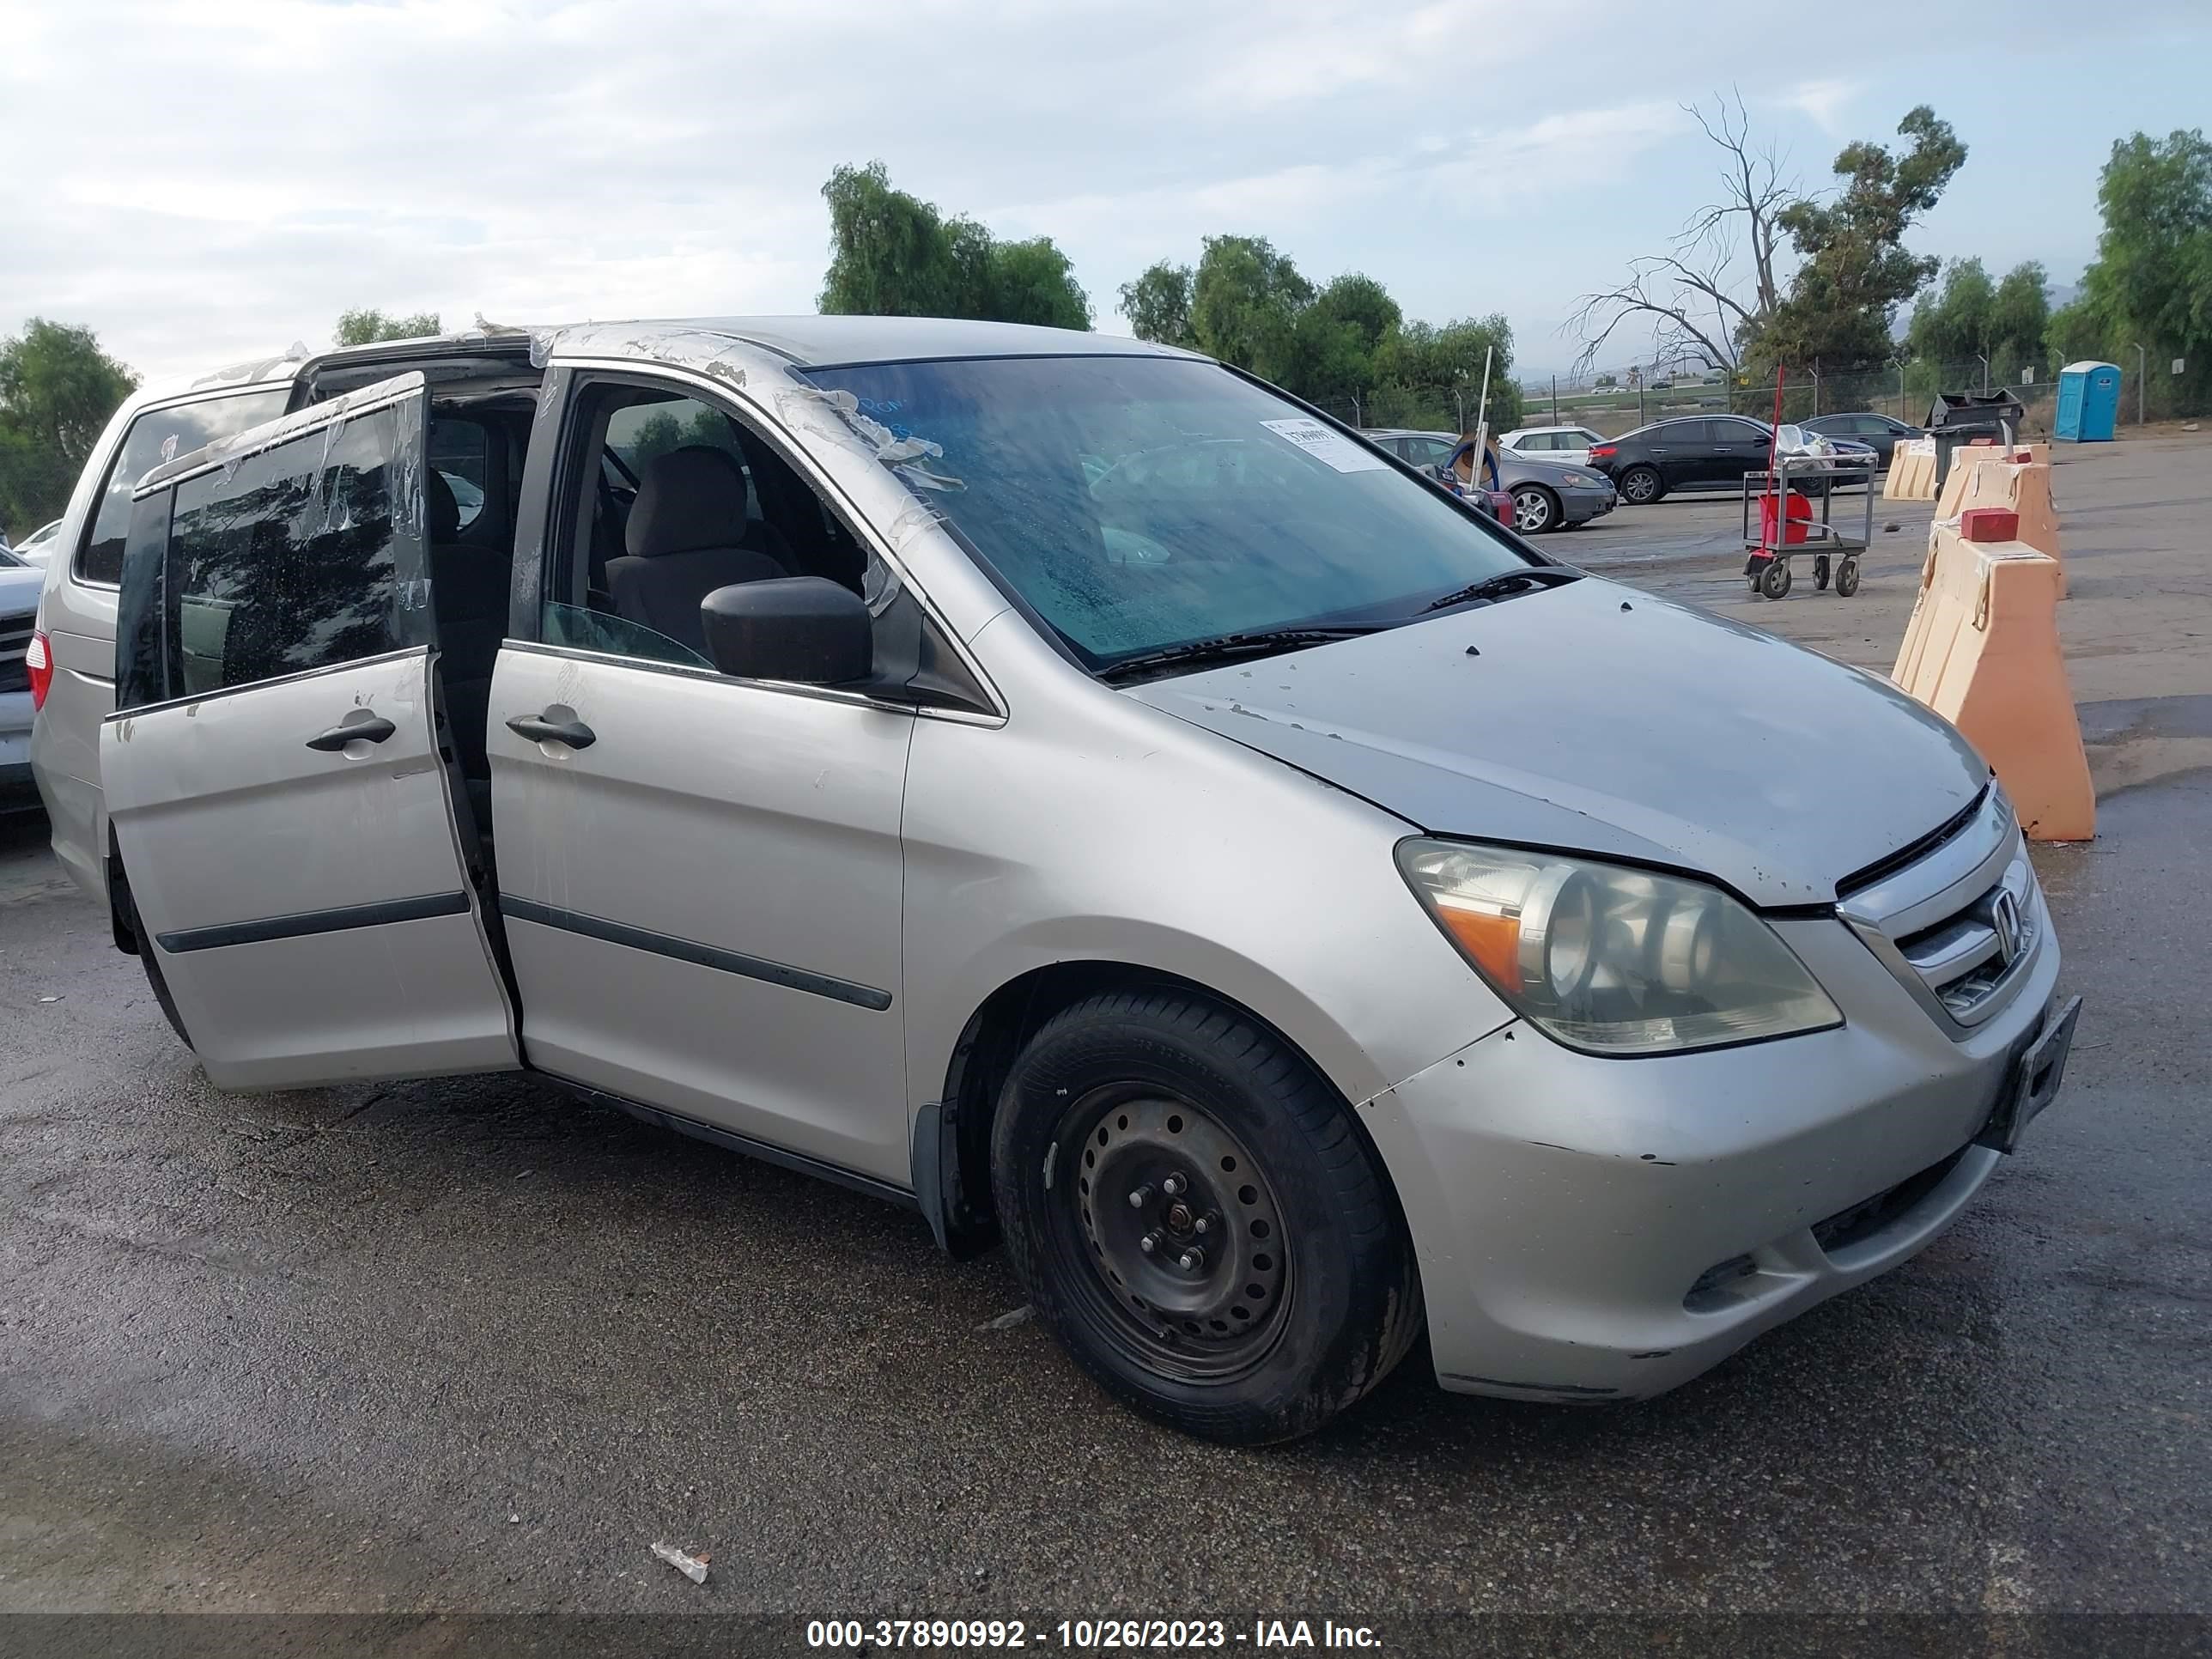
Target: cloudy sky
x=203 y=182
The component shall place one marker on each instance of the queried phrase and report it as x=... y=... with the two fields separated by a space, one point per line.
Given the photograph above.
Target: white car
x=1567 y=444
x=38 y=543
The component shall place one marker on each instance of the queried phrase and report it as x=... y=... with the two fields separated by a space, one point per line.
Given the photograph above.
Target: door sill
x=730 y=1141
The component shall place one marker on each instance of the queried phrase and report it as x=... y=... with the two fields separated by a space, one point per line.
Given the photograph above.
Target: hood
x=1594 y=718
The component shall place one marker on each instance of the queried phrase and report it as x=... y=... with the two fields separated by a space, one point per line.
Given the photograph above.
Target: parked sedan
x=1693 y=451
x=1545 y=495
x=34 y=548
x=1880 y=433
x=1703 y=452
x=20 y=582
x=1568 y=444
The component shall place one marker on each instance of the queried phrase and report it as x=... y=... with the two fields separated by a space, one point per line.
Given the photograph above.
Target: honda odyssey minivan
x=1065 y=786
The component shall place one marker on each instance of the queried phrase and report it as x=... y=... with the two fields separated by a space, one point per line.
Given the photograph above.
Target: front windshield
x=1140 y=503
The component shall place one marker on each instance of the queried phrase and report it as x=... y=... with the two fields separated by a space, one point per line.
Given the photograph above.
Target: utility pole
x=1985 y=373
x=1555 y=400
x=1901 y=414
x=2142 y=375
x=1816 y=391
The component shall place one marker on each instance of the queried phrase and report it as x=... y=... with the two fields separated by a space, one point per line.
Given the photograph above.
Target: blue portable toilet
x=2089 y=402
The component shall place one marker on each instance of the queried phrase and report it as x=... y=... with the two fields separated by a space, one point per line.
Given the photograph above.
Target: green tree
x=2151 y=282
x=892 y=254
x=1717 y=297
x=369 y=325
x=1033 y=282
x=1345 y=343
x=1856 y=270
x=1158 y=305
x=57 y=389
x=1952 y=323
x=1970 y=317
x=1244 y=304
x=2020 y=316
x=1336 y=337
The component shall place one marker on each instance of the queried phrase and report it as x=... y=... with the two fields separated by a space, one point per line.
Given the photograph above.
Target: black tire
x=1774 y=580
x=1819 y=572
x=1640 y=486
x=126 y=915
x=1535 y=510
x=1106 y=1093
x=1847 y=579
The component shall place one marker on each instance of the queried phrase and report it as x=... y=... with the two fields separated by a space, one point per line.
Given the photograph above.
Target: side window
x=669 y=499
x=460 y=452
x=158 y=435
x=285 y=564
x=683 y=500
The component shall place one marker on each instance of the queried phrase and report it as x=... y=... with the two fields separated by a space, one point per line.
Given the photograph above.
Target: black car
x=1880 y=433
x=1694 y=452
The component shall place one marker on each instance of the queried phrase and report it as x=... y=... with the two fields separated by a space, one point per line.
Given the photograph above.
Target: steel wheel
x=1279 y=1284
x=1774 y=580
x=1639 y=486
x=1533 y=511
x=1183 y=1228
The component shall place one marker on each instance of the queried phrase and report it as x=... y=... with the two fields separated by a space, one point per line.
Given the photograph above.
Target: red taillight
x=1604 y=451
x=39 y=659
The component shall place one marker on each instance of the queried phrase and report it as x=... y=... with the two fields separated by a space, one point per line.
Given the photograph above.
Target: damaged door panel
x=277 y=790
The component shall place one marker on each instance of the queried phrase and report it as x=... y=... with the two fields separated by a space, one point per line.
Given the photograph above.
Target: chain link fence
x=1905 y=393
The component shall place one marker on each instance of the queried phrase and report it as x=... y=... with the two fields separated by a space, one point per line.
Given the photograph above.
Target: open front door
x=273 y=773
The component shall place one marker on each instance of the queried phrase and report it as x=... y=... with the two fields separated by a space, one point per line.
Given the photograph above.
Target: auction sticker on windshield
x=1333 y=448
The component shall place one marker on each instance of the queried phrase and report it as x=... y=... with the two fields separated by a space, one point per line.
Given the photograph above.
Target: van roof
x=819 y=342
x=811 y=342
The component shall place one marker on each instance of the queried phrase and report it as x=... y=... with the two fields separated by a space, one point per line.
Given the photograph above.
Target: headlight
x=1612 y=960
x=1578 y=479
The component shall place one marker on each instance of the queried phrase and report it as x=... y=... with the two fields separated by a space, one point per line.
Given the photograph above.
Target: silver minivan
x=1066 y=787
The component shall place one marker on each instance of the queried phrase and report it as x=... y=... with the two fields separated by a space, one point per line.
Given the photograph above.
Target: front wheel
x=1534 y=511
x=1193 y=1211
x=1640 y=486
x=1774 y=580
x=1847 y=579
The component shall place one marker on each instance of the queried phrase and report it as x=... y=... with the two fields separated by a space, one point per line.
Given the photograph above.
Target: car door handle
x=374 y=729
x=575 y=733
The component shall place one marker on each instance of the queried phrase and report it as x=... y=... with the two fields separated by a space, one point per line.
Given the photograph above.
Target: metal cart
x=1834 y=548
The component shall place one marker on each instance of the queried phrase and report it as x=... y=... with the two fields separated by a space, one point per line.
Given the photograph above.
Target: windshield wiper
x=1228 y=647
x=1506 y=585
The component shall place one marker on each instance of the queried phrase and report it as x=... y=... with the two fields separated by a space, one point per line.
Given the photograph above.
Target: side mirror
x=803 y=629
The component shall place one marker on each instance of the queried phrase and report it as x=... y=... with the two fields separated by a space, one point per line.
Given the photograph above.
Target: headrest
x=440 y=509
x=687 y=499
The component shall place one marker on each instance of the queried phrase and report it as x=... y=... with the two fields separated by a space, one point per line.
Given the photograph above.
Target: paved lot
x=470 y=1345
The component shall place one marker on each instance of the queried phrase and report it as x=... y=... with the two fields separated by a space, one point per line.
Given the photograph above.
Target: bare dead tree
x=1716 y=282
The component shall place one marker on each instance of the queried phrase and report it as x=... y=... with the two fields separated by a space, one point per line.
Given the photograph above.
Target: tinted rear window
x=159 y=435
x=285 y=564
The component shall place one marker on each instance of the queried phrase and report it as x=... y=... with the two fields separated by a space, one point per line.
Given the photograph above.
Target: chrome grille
x=1959 y=924
x=14 y=643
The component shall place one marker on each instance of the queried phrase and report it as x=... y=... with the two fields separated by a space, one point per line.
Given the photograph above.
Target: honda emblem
x=2004 y=917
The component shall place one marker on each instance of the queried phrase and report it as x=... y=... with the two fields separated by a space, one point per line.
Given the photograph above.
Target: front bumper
x=1596 y=1228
